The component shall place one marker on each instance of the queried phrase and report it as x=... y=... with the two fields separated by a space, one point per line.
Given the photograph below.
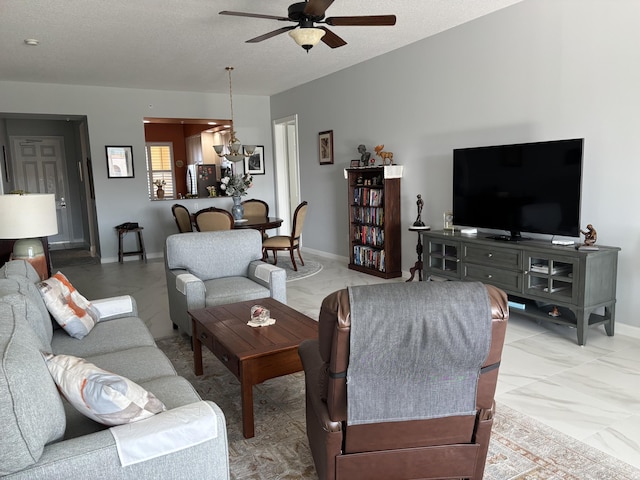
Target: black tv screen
x=527 y=187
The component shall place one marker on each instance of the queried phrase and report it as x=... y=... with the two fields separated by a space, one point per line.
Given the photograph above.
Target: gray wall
x=114 y=117
x=538 y=70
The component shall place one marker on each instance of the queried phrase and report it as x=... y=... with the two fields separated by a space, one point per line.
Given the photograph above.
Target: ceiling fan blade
x=331 y=39
x=316 y=8
x=254 y=15
x=364 y=20
x=271 y=34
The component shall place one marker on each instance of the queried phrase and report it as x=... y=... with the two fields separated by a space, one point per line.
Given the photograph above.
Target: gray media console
x=548 y=282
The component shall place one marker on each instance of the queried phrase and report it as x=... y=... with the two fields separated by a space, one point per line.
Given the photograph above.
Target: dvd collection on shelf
x=373 y=236
x=368 y=197
x=372 y=215
x=368 y=257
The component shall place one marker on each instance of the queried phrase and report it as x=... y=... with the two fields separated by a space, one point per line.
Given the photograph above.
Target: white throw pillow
x=71 y=310
x=105 y=397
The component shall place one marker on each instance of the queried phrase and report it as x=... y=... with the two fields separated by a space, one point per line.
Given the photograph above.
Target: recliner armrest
x=313 y=365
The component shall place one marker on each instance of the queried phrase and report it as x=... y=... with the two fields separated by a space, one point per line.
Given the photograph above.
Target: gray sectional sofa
x=43 y=437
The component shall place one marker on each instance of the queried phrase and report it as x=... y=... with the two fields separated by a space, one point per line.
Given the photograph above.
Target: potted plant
x=235 y=186
x=159 y=184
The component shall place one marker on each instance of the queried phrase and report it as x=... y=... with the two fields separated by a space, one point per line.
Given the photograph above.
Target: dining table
x=260 y=223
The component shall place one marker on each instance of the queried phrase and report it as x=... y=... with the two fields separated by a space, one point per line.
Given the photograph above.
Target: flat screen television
x=527 y=187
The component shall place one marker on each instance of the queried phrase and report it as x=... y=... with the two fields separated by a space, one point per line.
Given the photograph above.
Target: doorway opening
x=51 y=154
x=285 y=131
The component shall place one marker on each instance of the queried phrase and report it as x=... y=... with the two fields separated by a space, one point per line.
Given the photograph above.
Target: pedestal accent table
x=418 y=265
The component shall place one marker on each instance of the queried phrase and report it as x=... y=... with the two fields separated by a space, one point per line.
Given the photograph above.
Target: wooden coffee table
x=253 y=355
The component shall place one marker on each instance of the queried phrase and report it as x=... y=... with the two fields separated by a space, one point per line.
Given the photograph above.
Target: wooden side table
x=141 y=251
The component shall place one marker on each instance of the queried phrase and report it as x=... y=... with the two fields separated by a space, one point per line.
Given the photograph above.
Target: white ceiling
x=185 y=45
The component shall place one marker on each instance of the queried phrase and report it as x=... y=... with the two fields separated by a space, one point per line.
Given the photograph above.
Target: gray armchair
x=204 y=269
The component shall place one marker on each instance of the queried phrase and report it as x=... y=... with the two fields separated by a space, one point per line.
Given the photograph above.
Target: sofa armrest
x=95 y=456
x=192 y=288
x=168 y=432
x=270 y=276
x=116 y=307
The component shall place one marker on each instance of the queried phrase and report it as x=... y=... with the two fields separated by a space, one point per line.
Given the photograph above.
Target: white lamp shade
x=307 y=37
x=28 y=216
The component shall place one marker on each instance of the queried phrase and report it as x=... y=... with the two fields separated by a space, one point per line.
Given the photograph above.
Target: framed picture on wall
x=255 y=163
x=119 y=161
x=325 y=145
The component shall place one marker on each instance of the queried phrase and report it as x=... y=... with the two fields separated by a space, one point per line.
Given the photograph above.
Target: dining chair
x=255 y=208
x=212 y=219
x=182 y=217
x=290 y=242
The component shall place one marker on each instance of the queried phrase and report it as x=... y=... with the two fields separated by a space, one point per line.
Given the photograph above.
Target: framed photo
x=119 y=161
x=325 y=144
x=355 y=163
x=255 y=163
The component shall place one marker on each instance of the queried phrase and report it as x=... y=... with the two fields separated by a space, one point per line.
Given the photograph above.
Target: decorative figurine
x=384 y=155
x=364 y=155
x=420 y=204
x=590 y=236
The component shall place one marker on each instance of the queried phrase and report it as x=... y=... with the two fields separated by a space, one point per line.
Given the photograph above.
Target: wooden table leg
x=246 y=390
x=197 y=352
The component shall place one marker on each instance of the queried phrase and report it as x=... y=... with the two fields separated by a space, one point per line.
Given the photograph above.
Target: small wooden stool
x=121 y=253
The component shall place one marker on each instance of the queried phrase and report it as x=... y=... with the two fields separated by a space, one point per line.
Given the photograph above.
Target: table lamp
x=25 y=218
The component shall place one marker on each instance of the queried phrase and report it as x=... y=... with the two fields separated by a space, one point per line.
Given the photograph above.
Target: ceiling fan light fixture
x=307 y=37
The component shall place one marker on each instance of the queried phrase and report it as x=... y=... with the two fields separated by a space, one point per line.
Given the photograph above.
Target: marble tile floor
x=591 y=393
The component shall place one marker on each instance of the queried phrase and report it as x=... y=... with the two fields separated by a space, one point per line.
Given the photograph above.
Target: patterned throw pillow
x=105 y=397
x=71 y=310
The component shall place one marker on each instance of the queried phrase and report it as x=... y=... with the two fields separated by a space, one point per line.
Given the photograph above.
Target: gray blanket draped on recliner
x=405 y=345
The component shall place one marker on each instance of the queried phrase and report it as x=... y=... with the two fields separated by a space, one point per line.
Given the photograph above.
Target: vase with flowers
x=159 y=184
x=236 y=186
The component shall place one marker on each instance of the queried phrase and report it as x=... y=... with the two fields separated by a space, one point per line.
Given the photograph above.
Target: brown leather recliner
x=436 y=448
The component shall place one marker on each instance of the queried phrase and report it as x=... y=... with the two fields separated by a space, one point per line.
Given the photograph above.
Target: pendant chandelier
x=233 y=151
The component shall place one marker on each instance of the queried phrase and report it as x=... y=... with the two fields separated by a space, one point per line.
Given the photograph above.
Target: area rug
x=309 y=268
x=521 y=448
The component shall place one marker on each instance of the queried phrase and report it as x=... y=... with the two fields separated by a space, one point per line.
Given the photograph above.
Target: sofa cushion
x=171 y=390
x=110 y=336
x=233 y=289
x=21 y=284
x=27 y=309
x=103 y=396
x=138 y=364
x=20 y=268
x=31 y=411
x=72 y=311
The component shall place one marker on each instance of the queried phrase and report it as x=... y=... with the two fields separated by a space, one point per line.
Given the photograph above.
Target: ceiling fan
x=305 y=15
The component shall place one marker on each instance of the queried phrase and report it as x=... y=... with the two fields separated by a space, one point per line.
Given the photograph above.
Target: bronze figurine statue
x=590 y=236
x=420 y=204
x=364 y=155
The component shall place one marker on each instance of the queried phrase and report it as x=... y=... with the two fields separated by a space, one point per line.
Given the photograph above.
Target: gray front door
x=39 y=167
